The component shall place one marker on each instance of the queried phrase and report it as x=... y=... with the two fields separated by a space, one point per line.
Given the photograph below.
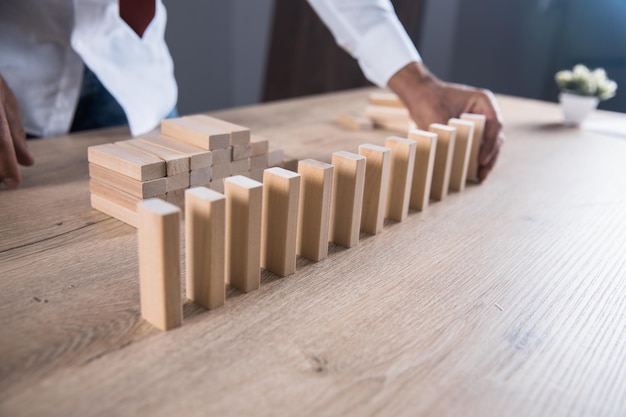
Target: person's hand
x=430 y=100
x=13 y=148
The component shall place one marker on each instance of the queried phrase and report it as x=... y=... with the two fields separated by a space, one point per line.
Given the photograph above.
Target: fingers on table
x=9 y=169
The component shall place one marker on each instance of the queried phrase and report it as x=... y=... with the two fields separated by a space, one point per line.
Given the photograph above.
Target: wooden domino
x=314 y=216
x=281 y=197
x=205 y=248
x=479 y=128
x=377 y=160
x=354 y=122
x=128 y=185
x=175 y=162
x=132 y=163
x=244 y=202
x=443 y=160
x=195 y=133
x=461 y=154
x=347 y=198
x=113 y=209
x=426 y=144
x=198 y=157
x=400 y=177
x=113 y=194
x=159 y=263
x=239 y=135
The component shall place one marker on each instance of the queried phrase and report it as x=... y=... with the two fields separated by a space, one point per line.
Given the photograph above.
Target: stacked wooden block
x=256 y=225
x=191 y=151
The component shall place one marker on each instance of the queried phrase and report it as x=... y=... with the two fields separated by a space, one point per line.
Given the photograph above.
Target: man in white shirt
x=48 y=50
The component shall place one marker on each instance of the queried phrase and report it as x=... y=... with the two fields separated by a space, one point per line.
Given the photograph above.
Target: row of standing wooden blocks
x=230 y=237
x=192 y=151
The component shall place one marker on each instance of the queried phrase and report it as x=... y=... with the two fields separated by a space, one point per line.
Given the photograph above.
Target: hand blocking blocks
x=230 y=237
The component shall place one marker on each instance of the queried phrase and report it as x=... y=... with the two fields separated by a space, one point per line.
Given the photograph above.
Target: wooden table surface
x=508 y=299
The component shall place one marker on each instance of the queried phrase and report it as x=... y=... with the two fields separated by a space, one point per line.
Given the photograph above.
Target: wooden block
x=177 y=182
x=134 y=164
x=114 y=209
x=244 y=203
x=400 y=177
x=260 y=146
x=275 y=157
x=443 y=160
x=347 y=198
x=354 y=122
x=159 y=263
x=140 y=189
x=377 y=113
x=239 y=135
x=281 y=198
x=194 y=133
x=175 y=162
x=423 y=168
x=198 y=157
x=377 y=159
x=461 y=155
x=114 y=195
x=314 y=216
x=217 y=185
x=243 y=151
x=290 y=164
x=258 y=162
x=385 y=99
x=223 y=156
x=205 y=248
x=479 y=129
x=221 y=171
x=240 y=167
x=176 y=197
x=200 y=176
x=256 y=174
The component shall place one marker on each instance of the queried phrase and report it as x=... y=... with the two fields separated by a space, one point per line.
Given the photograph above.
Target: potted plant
x=581 y=91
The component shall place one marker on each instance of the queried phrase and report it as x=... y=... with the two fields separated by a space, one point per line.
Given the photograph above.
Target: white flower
x=563 y=77
x=580 y=80
x=607 y=89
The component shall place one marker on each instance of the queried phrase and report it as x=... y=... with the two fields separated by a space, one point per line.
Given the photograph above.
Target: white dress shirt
x=44 y=44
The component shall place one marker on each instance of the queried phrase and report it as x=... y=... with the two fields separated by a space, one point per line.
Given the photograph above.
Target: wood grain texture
x=141 y=189
x=401 y=166
x=158 y=238
x=239 y=135
x=347 y=198
x=443 y=160
x=479 y=128
x=244 y=204
x=205 y=248
x=426 y=144
x=316 y=181
x=281 y=199
x=175 y=162
x=198 y=157
x=135 y=164
x=200 y=176
x=461 y=154
x=504 y=300
x=376 y=184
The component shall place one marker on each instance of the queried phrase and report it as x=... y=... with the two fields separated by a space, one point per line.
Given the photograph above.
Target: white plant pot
x=576 y=108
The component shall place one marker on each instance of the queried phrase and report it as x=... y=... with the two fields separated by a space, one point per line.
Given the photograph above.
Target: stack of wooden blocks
x=256 y=225
x=191 y=151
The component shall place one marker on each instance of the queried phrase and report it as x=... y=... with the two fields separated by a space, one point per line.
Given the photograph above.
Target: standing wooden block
x=198 y=157
x=281 y=197
x=377 y=159
x=461 y=155
x=205 y=234
x=314 y=217
x=479 y=128
x=175 y=162
x=194 y=133
x=347 y=198
x=423 y=171
x=159 y=263
x=132 y=163
x=244 y=203
x=400 y=177
x=239 y=135
x=443 y=160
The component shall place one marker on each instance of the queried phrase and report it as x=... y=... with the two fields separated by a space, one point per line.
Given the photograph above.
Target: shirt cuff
x=384 y=50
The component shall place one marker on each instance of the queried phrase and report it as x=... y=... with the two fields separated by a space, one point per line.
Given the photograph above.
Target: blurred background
x=237 y=52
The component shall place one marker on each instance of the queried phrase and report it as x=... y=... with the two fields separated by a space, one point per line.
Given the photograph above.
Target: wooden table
x=508 y=299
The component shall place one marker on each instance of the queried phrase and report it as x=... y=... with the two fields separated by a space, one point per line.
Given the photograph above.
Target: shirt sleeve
x=370 y=31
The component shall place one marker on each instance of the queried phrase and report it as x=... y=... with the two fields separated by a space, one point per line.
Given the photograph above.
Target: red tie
x=137 y=13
